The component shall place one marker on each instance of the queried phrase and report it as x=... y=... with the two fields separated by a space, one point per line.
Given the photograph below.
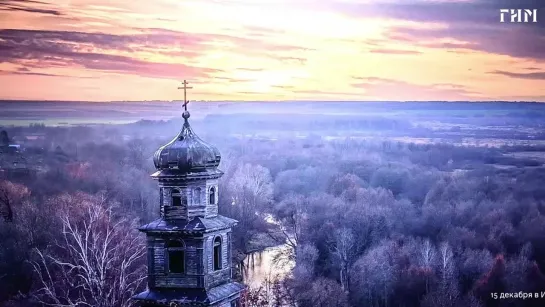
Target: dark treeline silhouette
x=367 y=222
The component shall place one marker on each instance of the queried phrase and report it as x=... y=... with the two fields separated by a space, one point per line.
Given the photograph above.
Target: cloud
x=250 y=93
x=27 y=72
x=514 y=41
x=395 y=51
x=96 y=51
x=529 y=76
x=537 y=98
x=32 y=40
x=25 y=6
x=290 y=59
x=251 y=69
x=471 y=25
x=24 y=1
x=390 y=89
x=255 y=45
x=320 y=92
x=234 y=80
x=262 y=31
x=484 y=12
x=284 y=87
x=111 y=52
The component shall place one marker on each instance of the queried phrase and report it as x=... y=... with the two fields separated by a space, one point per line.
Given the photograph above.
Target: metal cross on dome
x=185 y=88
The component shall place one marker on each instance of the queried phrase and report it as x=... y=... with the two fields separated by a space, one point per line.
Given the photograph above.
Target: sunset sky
x=101 y=50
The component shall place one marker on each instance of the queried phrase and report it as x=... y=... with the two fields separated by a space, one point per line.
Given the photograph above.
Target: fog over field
x=338 y=203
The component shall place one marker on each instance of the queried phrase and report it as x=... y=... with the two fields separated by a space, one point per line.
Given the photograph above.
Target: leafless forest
x=394 y=204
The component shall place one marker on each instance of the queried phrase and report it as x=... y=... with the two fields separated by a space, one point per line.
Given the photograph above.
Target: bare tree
x=255 y=184
x=250 y=191
x=258 y=297
x=374 y=275
x=325 y=292
x=137 y=152
x=344 y=251
x=274 y=292
x=427 y=254
x=448 y=271
x=291 y=223
x=97 y=262
x=427 y=258
x=303 y=272
x=11 y=194
x=447 y=293
x=6 y=209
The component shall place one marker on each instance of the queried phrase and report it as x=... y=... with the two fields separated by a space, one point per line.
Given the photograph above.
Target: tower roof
x=190 y=297
x=186 y=153
x=195 y=225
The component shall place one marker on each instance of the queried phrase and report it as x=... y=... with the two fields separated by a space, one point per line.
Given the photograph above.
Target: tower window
x=217 y=253
x=212 y=196
x=197 y=196
x=176 y=256
x=161 y=196
x=178 y=198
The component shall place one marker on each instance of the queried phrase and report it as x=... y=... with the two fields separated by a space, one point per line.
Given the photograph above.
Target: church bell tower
x=189 y=246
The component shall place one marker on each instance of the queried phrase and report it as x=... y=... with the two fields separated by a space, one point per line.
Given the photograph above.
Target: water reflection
x=268 y=264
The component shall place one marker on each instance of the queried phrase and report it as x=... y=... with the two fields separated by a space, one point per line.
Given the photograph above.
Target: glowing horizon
x=98 y=50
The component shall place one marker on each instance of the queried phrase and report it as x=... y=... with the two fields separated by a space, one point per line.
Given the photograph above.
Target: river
x=266 y=265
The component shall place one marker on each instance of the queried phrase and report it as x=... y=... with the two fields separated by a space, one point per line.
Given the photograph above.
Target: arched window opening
x=212 y=196
x=176 y=256
x=161 y=196
x=197 y=196
x=217 y=253
x=176 y=197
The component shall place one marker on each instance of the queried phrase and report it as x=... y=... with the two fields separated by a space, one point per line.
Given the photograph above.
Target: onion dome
x=187 y=153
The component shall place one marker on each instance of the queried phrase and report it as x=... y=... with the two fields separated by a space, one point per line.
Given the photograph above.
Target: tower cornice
x=195 y=225
x=172 y=175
